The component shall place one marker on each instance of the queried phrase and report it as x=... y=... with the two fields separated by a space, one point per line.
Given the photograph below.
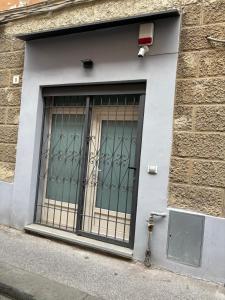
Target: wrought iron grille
x=89 y=165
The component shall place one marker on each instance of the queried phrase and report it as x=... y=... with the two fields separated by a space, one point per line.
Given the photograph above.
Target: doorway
x=89 y=164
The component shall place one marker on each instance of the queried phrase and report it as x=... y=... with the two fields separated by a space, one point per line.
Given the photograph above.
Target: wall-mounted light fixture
x=87 y=63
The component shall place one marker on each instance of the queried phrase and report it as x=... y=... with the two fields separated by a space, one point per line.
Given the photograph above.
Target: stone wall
x=197 y=176
x=11 y=63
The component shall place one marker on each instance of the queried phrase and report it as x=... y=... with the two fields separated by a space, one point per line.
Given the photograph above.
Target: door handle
x=132 y=168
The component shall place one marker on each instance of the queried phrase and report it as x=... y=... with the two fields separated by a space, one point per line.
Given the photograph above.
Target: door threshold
x=74 y=239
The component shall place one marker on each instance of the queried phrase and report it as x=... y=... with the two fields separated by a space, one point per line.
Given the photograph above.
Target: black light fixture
x=87 y=63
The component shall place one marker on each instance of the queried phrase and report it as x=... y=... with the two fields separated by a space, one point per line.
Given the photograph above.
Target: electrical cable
x=210 y=38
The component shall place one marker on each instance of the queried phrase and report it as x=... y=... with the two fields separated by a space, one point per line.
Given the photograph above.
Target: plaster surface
x=114 y=51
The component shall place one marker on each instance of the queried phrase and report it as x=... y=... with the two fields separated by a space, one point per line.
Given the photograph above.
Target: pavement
x=17 y=284
x=46 y=270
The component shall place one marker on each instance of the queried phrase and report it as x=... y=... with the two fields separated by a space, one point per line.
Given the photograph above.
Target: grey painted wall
x=213 y=251
x=114 y=52
x=6 y=190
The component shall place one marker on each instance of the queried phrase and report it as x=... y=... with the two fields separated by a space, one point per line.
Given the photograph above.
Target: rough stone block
x=11 y=60
x=5 y=44
x=13 y=115
x=213 y=11
x=200 y=199
x=113 y=9
x=177 y=194
x=3 y=94
x=10 y=97
x=8 y=134
x=195 y=38
x=209 y=200
x=153 y=5
x=208 y=173
x=201 y=91
x=14 y=96
x=82 y=13
x=187 y=65
x=18 y=44
x=210 y=118
x=179 y=170
x=191 y=15
x=4 y=78
x=183 y=118
x=7 y=171
x=199 y=145
x=212 y=63
x=160 y=5
x=7 y=153
x=2 y=115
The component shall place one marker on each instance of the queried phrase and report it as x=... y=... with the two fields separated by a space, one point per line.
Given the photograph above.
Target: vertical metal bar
x=120 y=168
x=79 y=165
x=64 y=153
x=128 y=177
x=58 y=173
x=40 y=162
x=70 y=178
x=84 y=164
x=45 y=156
x=112 y=166
x=94 y=175
x=136 y=173
x=101 y=143
x=49 y=158
x=89 y=176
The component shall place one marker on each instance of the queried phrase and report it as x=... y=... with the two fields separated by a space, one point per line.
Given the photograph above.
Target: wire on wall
x=210 y=38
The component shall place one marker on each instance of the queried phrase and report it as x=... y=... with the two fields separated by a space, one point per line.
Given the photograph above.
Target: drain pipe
x=151 y=224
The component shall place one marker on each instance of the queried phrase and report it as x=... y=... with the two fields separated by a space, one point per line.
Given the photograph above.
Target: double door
x=89 y=165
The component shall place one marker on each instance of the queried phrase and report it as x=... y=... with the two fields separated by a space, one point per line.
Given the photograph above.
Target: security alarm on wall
x=145 y=38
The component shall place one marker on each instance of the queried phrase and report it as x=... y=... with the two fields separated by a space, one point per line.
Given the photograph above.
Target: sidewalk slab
x=103 y=276
x=19 y=284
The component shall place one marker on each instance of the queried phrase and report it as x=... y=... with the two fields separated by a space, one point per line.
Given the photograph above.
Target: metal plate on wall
x=185 y=237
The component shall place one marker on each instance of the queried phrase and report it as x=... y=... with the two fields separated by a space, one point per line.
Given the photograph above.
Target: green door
x=116 y=165
x=64 y=167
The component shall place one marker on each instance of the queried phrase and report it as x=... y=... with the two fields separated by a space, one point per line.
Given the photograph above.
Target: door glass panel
x=64 y=158
x=116 y=160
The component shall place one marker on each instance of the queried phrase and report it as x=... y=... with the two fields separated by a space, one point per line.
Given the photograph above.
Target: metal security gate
x=89 y=164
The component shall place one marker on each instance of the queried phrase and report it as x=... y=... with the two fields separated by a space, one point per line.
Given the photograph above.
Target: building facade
x=93 y=139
